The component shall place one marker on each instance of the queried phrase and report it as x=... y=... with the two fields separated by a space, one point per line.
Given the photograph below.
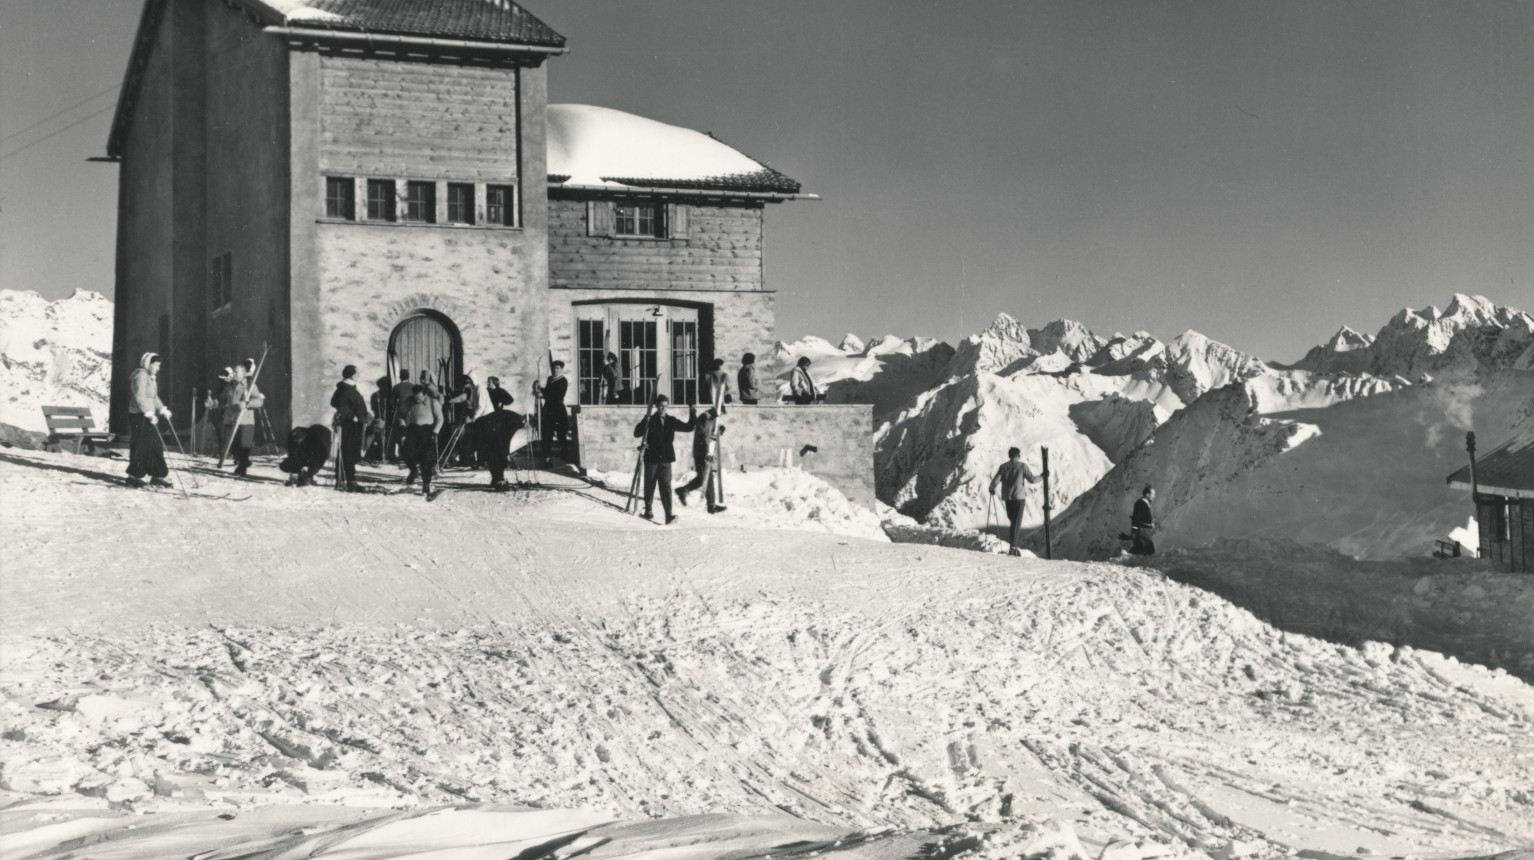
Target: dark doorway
x=426 y=341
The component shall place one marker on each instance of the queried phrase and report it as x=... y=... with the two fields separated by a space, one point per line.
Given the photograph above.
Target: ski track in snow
x=540 y=649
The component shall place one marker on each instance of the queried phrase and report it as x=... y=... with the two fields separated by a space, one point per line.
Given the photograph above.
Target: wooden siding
x=722 y=250
x=384 y=117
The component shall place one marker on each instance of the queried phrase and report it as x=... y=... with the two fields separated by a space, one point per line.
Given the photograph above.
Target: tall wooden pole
x=1481 y=550
x=1047 y=553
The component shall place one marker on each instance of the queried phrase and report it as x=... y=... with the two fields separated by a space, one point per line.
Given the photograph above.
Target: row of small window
x=462 y=203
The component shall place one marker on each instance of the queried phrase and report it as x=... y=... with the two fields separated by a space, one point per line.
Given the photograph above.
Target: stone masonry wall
x=372 y=276
x=755 y=437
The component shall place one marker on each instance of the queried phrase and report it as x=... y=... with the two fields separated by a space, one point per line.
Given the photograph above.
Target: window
x=684 y=361
x=501 y=205
x=460 y=203
x=638 y=219
x=421 y=202
x=340 y=194
x=591 y=355
x=638 y=359
x=220 y=283
x=380 y=200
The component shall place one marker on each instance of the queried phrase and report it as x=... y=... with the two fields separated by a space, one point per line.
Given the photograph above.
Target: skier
x=718 y=391
x=500 y=398
x=704 y=463
x=611 y=380
x=463 y=406
x=351 y=418
x=801 y=384
x=242 y=391
x=489 y=439
x=211 y=410
x=1013 y=476
x=1142 y=525
x=308 y=449
x=659 y=433
x=745 y=380
x=146 y=450
x=556 y=421
x=378 y=405
x=420 y=414
x=397 y=394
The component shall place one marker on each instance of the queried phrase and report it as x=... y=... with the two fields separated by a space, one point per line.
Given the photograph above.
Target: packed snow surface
x=313 y=674
x=593 y=145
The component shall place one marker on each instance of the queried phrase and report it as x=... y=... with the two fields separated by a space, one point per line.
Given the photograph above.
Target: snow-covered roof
x=593 y=147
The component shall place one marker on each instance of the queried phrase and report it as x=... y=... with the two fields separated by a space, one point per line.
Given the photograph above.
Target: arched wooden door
x=426 y=341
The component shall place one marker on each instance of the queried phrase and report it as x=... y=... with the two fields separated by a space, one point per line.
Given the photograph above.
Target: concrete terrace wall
x=452 y=121
x=755 y=437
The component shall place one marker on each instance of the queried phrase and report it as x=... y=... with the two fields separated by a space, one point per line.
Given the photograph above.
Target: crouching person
x=308 y=449
x=421 y=415
x=489 y=440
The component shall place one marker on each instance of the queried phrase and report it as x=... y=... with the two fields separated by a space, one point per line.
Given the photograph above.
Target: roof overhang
x=1487 y=490
x=300 y=36
x=702 y=193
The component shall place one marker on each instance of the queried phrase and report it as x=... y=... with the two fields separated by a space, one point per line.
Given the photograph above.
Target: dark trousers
x=1143 y=545
x=419 y=449
x=244 y=437
x=556 y=426
x=496 y=457
x=701 y=480
x=351 y=451
x=146 y=452
x=657 y=474
x=1014 y=516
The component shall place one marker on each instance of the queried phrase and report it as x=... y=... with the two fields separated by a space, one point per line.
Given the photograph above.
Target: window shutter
x=599 y=218
x=676 y=220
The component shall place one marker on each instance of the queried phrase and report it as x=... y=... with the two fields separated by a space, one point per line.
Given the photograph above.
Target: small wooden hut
x=1501 y=484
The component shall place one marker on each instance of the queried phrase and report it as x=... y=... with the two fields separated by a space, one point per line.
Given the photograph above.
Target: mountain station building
x=1501 y=483
x=382 y=183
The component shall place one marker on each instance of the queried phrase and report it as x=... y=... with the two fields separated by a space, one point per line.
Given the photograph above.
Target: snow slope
x=322 y=675
x=1364 y=475
x=53 y=354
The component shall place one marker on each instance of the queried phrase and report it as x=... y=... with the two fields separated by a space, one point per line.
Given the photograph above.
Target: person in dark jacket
x=704 y=462
x=500 y=398
x=308 y=449
x=612 y=380
x=351 y=419
x=659 y=435
x=420 y=414
x=395 y=436
x=1142 y=525
x=462 y=407
x=378 y=404
x=745 y=380
x=556 y=420
x=1013 y=477
x=489 y=439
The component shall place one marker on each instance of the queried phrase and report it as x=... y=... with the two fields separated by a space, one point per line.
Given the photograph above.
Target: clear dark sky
x=1262 y=172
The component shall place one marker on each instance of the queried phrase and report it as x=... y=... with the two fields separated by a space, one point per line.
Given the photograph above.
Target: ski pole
x=180 y=483
x=177 y=437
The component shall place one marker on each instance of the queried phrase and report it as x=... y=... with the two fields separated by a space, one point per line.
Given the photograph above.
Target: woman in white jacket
x=146 y=450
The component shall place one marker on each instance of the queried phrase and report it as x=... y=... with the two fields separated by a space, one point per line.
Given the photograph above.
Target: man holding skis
x=659 y=434
x=1013 y=478
x=703 y=439
x=146 y=450
x=556 y=420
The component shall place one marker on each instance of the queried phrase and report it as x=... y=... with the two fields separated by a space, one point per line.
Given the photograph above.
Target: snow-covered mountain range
x=53 y=353
x=1212 y=426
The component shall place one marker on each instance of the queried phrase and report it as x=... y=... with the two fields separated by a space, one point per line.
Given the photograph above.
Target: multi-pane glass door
x=658 y=349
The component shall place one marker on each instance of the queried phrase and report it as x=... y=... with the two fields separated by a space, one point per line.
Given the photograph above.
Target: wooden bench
x=1447 y=548
x=72 y=422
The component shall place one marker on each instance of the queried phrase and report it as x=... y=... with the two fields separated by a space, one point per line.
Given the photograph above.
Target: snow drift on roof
x=596 y=146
